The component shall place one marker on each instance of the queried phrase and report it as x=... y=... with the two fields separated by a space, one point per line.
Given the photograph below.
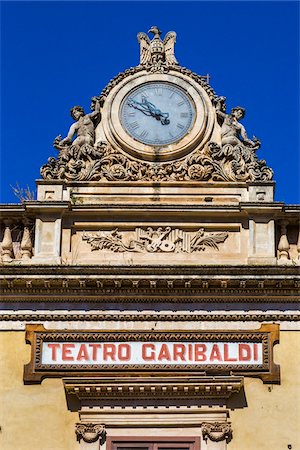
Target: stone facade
x=130 y=237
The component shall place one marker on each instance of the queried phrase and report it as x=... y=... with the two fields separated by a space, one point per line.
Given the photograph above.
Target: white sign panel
x=158 y=353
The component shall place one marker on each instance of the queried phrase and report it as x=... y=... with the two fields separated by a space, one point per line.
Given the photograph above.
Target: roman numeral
x=158 y=91
x=131 y=113
x=144 y=134
x=144 y=94
x=134 y=125
x=179 y=125
x=184 y=114
x=180 y=103
x=171 y=95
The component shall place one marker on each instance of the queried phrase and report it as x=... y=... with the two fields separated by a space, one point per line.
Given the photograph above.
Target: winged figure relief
x=156 y=51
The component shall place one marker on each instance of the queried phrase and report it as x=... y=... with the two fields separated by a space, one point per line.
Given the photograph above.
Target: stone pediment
x=157 y=122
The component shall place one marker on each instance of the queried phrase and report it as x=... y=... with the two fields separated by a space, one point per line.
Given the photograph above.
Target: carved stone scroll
x=101 y=162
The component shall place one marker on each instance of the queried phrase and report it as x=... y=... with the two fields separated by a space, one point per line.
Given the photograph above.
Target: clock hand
x=149 y=109
x=140 y=106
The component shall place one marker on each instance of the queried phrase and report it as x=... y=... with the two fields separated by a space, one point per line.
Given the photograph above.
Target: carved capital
x=216 y=431
x=90 y=432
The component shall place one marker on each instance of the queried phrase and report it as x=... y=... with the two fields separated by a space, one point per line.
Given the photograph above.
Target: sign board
x=58 y=353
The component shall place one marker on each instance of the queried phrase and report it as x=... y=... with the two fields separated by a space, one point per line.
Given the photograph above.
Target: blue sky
x=58 y=54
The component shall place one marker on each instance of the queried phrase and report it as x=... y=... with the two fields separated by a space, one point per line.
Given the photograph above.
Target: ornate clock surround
x=112 y=128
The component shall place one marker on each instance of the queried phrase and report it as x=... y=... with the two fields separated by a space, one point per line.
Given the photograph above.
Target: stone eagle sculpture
x=156 y=51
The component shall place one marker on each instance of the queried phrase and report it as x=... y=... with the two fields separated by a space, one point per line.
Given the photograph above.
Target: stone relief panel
x=151 y=240
x=157 y=244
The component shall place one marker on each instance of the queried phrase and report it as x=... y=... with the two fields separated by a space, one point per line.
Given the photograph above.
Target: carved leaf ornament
x=233 y=160
x=106 y=164
x=161 y=240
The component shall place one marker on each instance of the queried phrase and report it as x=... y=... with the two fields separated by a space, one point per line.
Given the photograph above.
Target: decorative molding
x=153 y=387
x=161 y=239
x=217 y=431
x=142 y=296
x=150 y=317
x=140 y=284
x=236 y=274
x=141 y=293
x=90 y=432
x=201 y=80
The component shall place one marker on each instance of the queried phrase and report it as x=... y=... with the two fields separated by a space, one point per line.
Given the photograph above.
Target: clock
x=156 y=116
x=157 y=113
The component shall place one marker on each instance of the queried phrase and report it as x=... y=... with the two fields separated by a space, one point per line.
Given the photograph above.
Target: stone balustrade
x=17 y=240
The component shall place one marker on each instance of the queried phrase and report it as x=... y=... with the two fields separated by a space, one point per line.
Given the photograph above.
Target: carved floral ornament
x=90 y=433
x=160 y=240
x=216 y=431
x=232 y=158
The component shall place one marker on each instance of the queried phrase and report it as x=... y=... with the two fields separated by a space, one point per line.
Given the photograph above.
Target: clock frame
x=198 y=131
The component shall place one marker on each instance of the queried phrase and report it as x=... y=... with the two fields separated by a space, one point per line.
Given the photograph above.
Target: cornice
x=235 y=271
x=153 y=283
x=153 y=388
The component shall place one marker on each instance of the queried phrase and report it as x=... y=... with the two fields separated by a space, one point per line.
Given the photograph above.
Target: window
x=151 y=443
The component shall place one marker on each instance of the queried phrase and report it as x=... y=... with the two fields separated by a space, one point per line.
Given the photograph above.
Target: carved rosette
x=216 y=431
x=90 y=433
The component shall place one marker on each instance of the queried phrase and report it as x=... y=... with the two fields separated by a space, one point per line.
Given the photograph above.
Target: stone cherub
x=232 y=131
x=83 y=128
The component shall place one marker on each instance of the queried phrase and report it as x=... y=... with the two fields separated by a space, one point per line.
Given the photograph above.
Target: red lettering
x=244 y=352
x=200 y=350
x=53 y=347
x=190 y=349
x=226 y=354
x=83 y=353
x=179 y=352
x=215 y=353
x=255 y=352
x=164 y=353
x=145 y=355
x=109 y=351
x=66 y=352
x=124 y=352
x=95 y=348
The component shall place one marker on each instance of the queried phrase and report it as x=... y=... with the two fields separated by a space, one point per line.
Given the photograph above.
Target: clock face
x=157 y=113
